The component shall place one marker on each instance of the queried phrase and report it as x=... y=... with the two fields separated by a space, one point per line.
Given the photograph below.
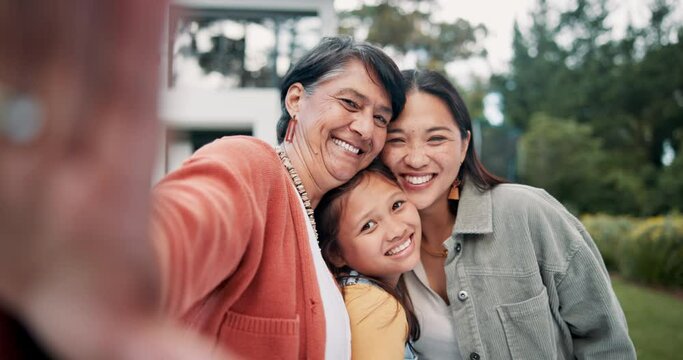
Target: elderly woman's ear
x=294 y=95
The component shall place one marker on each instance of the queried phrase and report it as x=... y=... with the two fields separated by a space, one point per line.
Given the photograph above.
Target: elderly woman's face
x=343 y=123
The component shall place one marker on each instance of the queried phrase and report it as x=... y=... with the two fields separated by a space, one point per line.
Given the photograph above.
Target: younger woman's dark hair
x=327 y=216
x=433 y=83
x=330 y=56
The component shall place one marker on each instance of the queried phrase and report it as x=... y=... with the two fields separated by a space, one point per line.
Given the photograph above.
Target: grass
x=655 y=320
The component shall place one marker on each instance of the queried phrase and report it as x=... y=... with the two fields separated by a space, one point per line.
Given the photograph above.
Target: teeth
x=400 y=247
x=346 y=146
x=417 y=180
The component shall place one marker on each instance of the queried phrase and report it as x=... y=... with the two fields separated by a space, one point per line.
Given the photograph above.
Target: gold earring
x=455 y=191
x=454 y=194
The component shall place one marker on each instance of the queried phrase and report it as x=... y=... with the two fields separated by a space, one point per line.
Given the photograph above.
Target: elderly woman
x=234 y=225
x=233 y=251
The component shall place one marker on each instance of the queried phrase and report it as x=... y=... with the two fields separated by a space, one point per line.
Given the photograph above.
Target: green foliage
x=561 y=156
x=655 y=320
x=609 y=233
x=670 y=185
x=498 y=150
x=654 y=252
x=407 y=26
x=628 y=91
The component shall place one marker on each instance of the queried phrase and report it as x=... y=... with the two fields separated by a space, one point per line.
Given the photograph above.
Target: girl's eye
x=397 y=205
x=396 y=140
x=368 y=225
x=437 y=138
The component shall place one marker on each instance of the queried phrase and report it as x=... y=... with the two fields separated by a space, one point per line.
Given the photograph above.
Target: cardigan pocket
x=253 y=337
x=528 y=328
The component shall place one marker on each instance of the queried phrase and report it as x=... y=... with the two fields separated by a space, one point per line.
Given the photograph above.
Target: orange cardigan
x=234 y=252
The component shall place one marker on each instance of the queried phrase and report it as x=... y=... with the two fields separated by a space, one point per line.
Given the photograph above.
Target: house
x=222 y=61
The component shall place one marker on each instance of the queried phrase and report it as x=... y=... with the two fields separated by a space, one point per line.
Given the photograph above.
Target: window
x=225 y=49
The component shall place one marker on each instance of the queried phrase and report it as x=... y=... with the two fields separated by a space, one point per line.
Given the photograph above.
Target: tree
x=407 y=27
x=628 y=91
x=563 y=157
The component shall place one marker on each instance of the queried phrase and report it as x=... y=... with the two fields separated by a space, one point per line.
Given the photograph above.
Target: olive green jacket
x=526 y=281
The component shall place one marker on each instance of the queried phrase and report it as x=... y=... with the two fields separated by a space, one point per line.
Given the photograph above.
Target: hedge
x=647 y=250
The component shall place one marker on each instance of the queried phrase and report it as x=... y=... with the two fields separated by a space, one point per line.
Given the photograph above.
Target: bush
x=654 y=252
x=609 y=233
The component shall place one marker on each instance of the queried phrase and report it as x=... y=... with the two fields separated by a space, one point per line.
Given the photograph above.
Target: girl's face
x=379 y=230
x=425 y=149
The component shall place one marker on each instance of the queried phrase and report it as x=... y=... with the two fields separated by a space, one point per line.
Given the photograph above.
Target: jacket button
x=474 y=356
x=462 y=296
x=458 y=247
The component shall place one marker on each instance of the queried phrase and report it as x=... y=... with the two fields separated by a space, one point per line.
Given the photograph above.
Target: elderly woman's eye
x=350 y=104
x=381 y=120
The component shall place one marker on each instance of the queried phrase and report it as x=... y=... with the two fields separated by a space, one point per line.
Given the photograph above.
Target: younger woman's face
x=379 y=230
x=425 y=149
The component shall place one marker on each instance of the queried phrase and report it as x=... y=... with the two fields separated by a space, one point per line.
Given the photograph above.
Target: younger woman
x=369 y=235
x=506 y=271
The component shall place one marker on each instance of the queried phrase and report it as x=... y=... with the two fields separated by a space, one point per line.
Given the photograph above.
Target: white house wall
x=254 y=109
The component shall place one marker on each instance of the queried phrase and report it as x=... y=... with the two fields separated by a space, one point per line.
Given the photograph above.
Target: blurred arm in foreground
x=78 y=125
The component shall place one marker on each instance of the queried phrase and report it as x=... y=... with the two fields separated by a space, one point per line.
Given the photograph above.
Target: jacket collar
x=475 y=214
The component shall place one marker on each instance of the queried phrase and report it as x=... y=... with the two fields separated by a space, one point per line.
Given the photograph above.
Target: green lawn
x=655 y=321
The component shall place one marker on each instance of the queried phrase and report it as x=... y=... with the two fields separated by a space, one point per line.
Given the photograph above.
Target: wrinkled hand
x=76 y=265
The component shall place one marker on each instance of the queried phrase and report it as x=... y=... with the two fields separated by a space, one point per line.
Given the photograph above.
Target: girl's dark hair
x=327 y=216
x=332 y=54
x=433 y=83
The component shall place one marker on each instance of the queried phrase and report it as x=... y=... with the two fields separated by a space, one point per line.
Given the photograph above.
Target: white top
x=337 y=323
x=437 y=329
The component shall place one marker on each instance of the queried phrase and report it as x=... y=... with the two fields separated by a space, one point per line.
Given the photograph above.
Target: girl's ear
x=294 y=95
x=336 y=259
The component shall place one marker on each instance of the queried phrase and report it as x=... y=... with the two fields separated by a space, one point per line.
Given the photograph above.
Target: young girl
x=369 y=234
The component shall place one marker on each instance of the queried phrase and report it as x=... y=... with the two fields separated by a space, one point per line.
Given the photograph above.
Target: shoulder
x=241 y=156
x=542 y=214
x=379 y=328
x=556 y=234
x=528 y=201
x=366 y=293
x=238 y=148
x=243 y=163
x=365 y=301
x=523 y=195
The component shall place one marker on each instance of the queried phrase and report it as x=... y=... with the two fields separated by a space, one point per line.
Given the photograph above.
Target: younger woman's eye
x=397 y=205
x=368 y=225
x=396 y=140
x=437 y=138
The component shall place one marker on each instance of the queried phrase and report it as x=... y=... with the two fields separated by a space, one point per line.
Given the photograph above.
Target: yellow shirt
x=379 y=328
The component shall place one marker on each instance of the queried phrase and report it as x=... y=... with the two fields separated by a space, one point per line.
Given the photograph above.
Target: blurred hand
x=76 y=265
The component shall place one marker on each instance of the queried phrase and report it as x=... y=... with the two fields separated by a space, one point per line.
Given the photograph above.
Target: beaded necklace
x=298 y=184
